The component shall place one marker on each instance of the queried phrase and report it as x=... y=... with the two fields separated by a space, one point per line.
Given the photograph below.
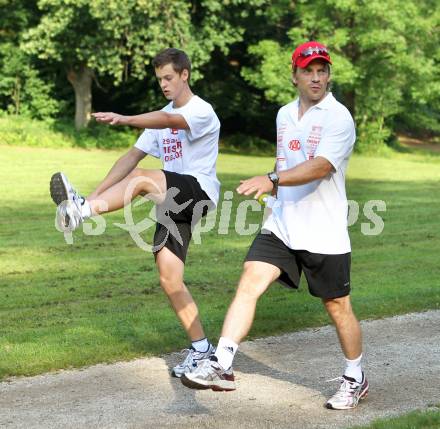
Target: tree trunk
x=81 y=79
x=350 y=102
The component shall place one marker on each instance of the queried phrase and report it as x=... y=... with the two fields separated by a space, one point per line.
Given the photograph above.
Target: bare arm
x=121 y=168
x=154 y=120
x=307 y=171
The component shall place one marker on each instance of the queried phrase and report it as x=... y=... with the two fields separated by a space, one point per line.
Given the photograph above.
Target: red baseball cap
x=308 y=52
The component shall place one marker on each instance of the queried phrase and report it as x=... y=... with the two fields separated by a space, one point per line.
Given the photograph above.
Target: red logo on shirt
x=174 y=131
x=294 y=145
x=313 y=141
x=172 y=149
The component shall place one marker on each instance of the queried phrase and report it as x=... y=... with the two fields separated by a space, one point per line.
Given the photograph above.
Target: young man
x=184 y=134
x=307 y=229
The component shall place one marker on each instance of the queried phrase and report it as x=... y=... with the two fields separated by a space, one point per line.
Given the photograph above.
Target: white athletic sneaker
x=350 y=392
x=209 y=375
x=68 y=216
x=69 y=202
x=191 y=360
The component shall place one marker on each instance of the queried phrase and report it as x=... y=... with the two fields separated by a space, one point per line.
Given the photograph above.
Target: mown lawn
x=98 y=299
x=427 y=419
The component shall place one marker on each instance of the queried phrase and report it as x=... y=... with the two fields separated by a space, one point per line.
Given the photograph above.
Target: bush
x=243 y=144
x=23 y=131
x=22 y=90
x=371 y=136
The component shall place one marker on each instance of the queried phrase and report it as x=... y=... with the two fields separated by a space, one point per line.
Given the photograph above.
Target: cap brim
x=302 y=63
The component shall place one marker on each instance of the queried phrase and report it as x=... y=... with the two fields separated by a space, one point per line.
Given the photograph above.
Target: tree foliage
x=384 y=55
x=25 y=92
x=23 y=89
x=386 y=58
x=119 y=39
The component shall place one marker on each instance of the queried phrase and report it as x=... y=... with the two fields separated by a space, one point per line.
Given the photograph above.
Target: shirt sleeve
x=148 y=143
x=201 y=120
x=337 y=142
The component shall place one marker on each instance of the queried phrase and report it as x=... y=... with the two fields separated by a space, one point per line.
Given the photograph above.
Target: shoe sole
x=58 y=188
x=362 y=396
x=228 y=386
x=191 y=384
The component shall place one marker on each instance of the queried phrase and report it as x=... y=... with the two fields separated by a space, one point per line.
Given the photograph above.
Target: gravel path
x=281 y=383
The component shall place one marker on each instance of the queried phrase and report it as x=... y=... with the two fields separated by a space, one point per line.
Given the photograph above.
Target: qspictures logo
x=227 y=218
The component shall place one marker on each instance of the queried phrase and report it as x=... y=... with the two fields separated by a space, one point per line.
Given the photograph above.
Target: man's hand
x=257 y=185
x=110 y=118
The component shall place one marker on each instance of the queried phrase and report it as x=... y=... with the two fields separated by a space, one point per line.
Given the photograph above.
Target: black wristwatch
x=274 y=178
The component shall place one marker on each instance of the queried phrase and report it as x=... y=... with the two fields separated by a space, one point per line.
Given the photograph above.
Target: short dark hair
x=177 y=58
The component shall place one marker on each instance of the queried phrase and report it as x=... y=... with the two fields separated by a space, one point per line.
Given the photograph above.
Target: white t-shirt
x=193 y=151
x=313 y=216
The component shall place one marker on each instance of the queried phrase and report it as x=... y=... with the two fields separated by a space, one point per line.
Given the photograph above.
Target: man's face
x=171 y=82
x=312 y=81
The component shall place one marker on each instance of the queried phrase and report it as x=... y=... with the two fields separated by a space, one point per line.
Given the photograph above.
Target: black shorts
x=328 y=276
x=186 y=203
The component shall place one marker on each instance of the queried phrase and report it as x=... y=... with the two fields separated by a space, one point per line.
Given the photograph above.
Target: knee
x=338 y=308
x=148 y=181
x=136 y=172
x=251 y=285
x=141 y=181
x=170 y=284
x=136 y=178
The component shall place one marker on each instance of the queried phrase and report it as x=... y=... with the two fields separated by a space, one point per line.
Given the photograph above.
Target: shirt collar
x=325 y=103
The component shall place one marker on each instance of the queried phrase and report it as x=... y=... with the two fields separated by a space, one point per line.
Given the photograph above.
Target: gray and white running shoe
x=209 y=375
x=69 y=202
x=349 y=394
x=191 y=359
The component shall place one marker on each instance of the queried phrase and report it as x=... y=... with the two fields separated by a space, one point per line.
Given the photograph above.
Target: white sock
x=201 y=345
x=86 y=210
x=225 y=352
x=353 y=368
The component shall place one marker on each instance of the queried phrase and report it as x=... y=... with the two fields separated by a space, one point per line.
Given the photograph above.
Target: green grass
x=99 y=300
x=427 y=419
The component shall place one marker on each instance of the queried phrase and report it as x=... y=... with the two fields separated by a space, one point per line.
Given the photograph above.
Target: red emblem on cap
x=309 y=51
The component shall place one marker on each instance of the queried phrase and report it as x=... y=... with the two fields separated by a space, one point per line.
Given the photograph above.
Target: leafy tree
x=421 y=95
x=382 y=54
x=242 y=106
x=119 y=39
x=23 y=89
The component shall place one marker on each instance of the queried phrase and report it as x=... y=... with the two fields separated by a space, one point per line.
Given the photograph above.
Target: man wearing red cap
x=306 y=230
